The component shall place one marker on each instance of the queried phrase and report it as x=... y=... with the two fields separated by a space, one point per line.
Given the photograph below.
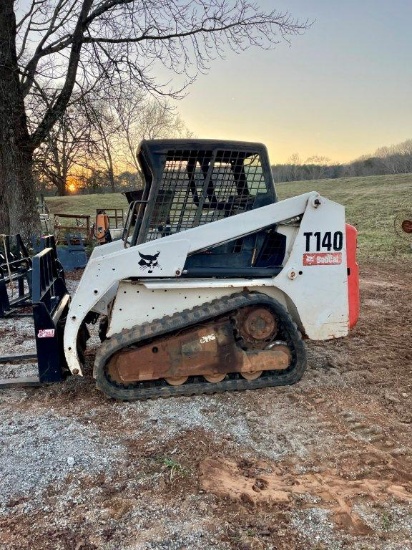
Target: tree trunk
x=60 y=183
x=18 y=211
x=111 y=180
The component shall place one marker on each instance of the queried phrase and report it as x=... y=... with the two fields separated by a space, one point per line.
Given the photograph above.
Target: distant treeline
x=396 y=159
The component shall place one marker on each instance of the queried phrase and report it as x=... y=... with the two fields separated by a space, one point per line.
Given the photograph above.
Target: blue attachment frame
x=51 y=302
x=14 y=268
x=50 y=305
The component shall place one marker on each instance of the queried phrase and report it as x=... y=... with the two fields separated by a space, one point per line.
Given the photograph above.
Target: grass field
x=86 y=204
x=371 y=205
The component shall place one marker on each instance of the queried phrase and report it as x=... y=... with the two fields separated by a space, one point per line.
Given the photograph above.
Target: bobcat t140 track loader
x=213 y=282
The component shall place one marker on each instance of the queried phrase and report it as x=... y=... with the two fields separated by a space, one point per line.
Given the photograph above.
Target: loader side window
x=199 y=187
x=272 y=251
x=259 y=254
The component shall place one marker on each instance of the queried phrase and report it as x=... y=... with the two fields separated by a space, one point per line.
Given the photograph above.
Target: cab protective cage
x=190 y=183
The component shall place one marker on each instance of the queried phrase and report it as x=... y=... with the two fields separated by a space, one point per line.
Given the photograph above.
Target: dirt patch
x=260 y=484
x=323 y=464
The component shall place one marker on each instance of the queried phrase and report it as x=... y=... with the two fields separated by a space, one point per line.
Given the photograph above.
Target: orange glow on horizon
x=73 y=183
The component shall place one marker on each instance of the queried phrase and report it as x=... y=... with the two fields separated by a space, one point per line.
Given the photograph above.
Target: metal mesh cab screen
x=198 y=187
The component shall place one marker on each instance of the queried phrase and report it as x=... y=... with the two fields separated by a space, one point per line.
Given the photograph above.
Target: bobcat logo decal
x=149 y=262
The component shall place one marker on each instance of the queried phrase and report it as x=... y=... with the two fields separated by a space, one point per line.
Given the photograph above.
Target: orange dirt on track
x=324 y=464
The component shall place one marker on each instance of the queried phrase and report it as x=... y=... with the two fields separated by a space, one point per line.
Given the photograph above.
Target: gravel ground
x=325 y=464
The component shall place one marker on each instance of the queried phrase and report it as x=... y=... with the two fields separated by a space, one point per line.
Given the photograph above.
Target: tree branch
x=54 y=112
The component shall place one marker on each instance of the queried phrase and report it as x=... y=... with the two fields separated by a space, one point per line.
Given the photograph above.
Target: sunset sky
x=341 y=90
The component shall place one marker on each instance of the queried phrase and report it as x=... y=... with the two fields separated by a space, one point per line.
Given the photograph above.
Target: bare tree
x=79 y=44
x=316 y=166
x=97 y=137
x=146 y=118
x=396 y=158
x=118 y=127
x=294 y=166
x=69 y=145
x=106 y=134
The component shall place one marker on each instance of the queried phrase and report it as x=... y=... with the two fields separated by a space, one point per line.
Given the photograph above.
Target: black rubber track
x=196 y=385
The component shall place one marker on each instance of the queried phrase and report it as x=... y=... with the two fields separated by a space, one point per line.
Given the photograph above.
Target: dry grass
x=86 y=204
x=371 y=205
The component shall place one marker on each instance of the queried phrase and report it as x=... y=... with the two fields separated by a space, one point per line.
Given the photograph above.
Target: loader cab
x=195 y=182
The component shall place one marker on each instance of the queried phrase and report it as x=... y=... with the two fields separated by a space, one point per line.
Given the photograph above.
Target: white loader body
x=312 y=285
